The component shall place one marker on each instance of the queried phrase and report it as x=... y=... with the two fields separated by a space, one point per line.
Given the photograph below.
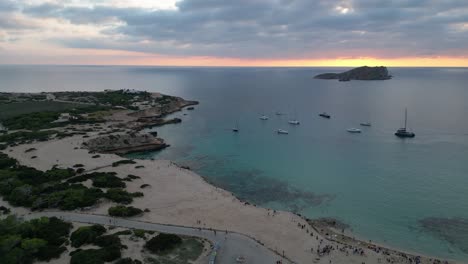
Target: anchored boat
x=403 y=132
x=353 y=130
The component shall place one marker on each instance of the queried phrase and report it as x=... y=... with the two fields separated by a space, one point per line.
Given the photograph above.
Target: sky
x=235 y=32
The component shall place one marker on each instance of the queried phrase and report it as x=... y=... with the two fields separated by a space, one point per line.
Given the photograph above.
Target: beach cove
x=204 y=142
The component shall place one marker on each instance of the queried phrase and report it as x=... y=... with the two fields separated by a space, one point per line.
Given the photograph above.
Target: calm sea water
x=409 y=194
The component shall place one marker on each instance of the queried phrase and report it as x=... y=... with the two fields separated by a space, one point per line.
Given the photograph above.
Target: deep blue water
x=410 y=194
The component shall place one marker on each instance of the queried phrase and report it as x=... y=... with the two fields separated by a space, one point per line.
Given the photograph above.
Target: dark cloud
x=277 y=28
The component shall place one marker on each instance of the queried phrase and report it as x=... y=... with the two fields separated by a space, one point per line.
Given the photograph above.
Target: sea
x=409 y=194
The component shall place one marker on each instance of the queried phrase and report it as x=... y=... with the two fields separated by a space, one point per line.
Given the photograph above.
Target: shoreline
x=347 y=238
x=172 y=202
x=179 y=196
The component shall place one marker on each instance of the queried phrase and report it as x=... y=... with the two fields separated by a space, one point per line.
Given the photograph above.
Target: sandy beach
x=180 y=196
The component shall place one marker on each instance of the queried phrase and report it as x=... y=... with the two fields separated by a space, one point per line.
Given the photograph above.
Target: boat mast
x=406 y=116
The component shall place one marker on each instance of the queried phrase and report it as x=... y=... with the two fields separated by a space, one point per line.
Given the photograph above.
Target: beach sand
x=181 y=197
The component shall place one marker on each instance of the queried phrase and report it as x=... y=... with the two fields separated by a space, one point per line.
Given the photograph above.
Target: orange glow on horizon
x=339 y=62
x=117 y=57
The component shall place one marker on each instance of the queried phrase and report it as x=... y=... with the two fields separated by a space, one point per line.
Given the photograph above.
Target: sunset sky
x=235 y=32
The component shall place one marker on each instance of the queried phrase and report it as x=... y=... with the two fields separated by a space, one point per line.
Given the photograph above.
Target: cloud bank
x=242 y=29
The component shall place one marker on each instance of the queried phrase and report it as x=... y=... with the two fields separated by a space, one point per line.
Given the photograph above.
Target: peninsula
x=361 y=73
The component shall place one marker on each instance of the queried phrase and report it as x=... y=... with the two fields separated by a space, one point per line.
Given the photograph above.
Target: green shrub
x=119 y=196
x=86 y=235
x=123 y=233
x=122 y=162
x=106 y=180
x=89 y=256
x=24 y=242
x=139 y=233
x=108 y=241
x=25 y=136
x=6 y=162
x=32 y=121
x=124 y=211
x=4 y=210
x=163 y=243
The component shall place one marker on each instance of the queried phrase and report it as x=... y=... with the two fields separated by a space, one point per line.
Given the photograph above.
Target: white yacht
x=294 y=122
x=264 y=117
x=282 y=131
x=353 y=130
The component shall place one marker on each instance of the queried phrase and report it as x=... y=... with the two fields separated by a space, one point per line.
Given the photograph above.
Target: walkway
x=232 y=245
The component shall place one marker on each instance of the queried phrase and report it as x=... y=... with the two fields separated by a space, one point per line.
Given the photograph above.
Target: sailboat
x=366 y=124
x=294 y=121
x=236 y=128
x=402 y=132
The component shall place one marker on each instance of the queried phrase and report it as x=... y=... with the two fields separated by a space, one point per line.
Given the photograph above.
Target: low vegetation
x=128 y=261
x=4 y=210
x=45 y=119
x=86 y=235
x=28 y=187
x=122 y=162
x=101 y=180
x=21 y=108
x=163 y=243
x=20 y=137
x=110 y=245
x=121 y=196
x=25 y=242
x=95 y=256
x=124 y=211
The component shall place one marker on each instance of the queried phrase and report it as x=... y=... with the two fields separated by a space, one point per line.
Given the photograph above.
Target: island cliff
x=360 y=73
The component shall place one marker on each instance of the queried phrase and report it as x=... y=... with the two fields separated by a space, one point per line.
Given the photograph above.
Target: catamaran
x=402 y=132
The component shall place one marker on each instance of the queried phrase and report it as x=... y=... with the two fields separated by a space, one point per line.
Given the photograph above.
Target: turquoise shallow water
x=408 y=194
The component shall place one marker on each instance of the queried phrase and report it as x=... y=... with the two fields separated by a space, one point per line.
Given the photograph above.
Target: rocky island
x=361 y=73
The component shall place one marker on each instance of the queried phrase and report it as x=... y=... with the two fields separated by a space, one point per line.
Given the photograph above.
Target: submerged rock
x=453 y=230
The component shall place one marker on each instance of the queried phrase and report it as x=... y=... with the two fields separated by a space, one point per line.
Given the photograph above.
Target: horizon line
x=220 y=66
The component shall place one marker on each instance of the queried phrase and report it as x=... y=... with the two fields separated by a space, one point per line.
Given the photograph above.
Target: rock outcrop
x=125 y=143
x=361 y=73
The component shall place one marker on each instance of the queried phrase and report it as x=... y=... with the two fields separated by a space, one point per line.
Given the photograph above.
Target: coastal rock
x=123 y=144
x=360 y=73
x=149 y=122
